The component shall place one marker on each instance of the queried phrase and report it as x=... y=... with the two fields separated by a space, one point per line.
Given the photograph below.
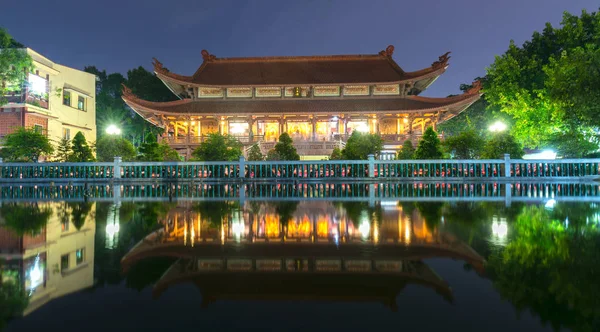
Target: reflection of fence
x=357 y=191
x=307 y=170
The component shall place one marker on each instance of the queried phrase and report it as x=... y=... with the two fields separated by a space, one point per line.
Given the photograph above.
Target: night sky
x=118 y=35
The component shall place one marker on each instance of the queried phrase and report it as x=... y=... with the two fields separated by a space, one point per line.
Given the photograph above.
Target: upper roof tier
x=302 y=70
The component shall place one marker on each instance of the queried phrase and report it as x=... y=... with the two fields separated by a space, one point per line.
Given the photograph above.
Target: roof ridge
x=303 y=57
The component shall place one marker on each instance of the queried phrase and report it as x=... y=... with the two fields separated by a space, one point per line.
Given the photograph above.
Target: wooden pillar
x=314 y=129
x=176 y=129
x=399 y=129
x=251 y=129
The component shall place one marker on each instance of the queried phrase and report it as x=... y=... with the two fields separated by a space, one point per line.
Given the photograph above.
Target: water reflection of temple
x=53 y=260
x=322 y=245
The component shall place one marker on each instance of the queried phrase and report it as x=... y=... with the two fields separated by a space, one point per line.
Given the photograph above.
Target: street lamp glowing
x=497 y=127
x=113 y=130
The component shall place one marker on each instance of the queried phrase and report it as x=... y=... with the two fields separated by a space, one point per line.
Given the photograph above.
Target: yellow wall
x=59 y=243
x=63 y=116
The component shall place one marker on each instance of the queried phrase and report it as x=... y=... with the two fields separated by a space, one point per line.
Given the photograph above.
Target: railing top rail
x=43 y=164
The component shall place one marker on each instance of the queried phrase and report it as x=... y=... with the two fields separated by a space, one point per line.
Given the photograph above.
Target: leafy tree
x=500 y=144
x=429 y=146
x=63 y=150
x=110 y=146
x=255 y=154
x=14 y=65
x=549 y=84
x=167 y=153
x=25 y=145
x=285 y=148
x=147 y=86
x=272 y=155
x=81 y=150
x=407 y=152
x=360 y=145
x=466 y=145
x=218 y=147
x=149 y=149
x=336 y=154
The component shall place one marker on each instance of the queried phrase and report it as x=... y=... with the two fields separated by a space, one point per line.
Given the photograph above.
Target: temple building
x=318 y=100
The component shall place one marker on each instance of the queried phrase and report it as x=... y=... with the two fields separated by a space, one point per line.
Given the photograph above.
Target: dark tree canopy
x=110 y=146
x=25 y=145
x=500 y=144
x=81 y=152
x=466 y=145
x=407 y=152
x=360 y=145
x=285 y=148
x=429 y=146
x=255 y=154
x=217 y=147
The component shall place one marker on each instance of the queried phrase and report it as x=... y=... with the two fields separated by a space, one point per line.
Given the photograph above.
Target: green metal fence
x=332 y=169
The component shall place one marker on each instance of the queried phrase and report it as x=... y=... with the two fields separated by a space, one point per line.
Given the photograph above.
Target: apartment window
x=67 y=133
x=80 y=256
x=81 y=103
x=64 y=262
x=65 y=225
x=67 y=98
x=38 y=129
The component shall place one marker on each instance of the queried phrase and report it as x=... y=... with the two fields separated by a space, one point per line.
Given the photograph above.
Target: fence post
x=242 y=165
x=117 y=168
x=506 y=165
x=371 y=165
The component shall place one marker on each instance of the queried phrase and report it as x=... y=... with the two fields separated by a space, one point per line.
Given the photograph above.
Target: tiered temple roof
x=368 y=72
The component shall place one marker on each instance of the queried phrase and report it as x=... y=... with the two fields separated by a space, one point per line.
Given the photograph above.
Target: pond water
x=425 y=256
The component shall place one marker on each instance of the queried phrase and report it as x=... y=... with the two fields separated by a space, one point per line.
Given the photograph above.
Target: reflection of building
x=319 y=247
x=57 y=100
x=55 y=262
x=312 y=98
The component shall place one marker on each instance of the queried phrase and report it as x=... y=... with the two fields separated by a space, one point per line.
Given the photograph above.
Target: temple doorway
x=270 y=130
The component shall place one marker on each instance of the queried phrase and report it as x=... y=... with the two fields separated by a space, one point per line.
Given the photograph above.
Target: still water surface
x=479 y=260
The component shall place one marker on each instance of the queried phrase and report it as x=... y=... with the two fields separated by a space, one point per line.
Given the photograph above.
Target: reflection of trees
x=551 y=269
x=25 y=218
x=13 y=301
x=215 y=212
x=147 y=272
x=136 y=221
x=431 y=212
x=79 y=212
x=285 y=210
x=355 y=211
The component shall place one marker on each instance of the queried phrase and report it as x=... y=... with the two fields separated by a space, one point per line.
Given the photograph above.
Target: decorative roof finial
x=158 y=66
x=389 y=51
x=442 y=61
x=475 y=88
x=126 y=91
x=207 y=56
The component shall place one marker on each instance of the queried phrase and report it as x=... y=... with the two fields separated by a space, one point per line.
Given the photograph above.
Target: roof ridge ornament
x=207 y=57
x=475 y=88
x=442 y=61
x=158 y=66
x=389 y=51
x=126 y=92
